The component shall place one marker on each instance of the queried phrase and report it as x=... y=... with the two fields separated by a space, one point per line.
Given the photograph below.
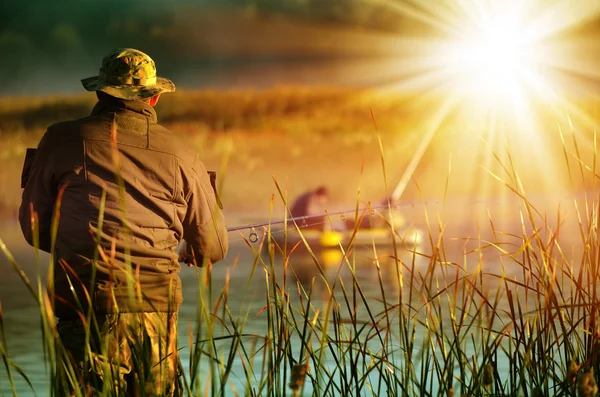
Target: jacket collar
x=116 y=105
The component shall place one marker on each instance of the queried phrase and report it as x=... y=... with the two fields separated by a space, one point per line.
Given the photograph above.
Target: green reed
x=452 y=327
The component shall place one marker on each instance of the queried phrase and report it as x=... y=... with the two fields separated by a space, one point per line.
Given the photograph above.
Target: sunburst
x=504 y=74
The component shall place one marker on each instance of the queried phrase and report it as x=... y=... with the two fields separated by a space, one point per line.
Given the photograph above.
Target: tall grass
x=527 y=325
x=448 y=332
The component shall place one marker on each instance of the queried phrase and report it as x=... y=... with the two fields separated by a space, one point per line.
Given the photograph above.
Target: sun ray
x=510 y=69
x=435 y=19
x=433 y=127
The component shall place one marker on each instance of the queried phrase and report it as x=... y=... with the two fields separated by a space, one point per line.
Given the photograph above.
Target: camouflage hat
x=129 y=74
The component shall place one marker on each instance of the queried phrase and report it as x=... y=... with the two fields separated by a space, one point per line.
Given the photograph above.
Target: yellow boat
x=407 y=237
x=326 y=244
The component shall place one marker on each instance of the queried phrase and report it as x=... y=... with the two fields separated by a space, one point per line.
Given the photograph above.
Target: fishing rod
x=395 y=196
x=303 y=219
x=308 y=217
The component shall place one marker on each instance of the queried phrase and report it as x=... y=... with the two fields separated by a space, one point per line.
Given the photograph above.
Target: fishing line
x=301 y=222
x=418 y=156
x=408 y=173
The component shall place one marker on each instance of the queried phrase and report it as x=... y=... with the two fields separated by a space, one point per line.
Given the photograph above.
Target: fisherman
x=382 y=216
x=390 y=217
x=124 y=192
x=311 y=204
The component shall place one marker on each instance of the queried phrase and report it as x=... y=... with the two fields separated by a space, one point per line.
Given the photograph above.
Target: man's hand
x=185 y=256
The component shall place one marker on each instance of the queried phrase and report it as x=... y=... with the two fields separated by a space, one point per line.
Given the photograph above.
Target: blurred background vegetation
x=205 y=43
x=194 y=35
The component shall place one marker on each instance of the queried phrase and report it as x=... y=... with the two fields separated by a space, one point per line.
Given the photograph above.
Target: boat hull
x=362 y=238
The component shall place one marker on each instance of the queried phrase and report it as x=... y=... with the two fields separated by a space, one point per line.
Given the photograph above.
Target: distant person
x=153 y=191
x=311 y=204
x=391 y=215
x=384 y=215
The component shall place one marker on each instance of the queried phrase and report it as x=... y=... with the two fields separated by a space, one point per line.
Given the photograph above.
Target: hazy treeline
x=58 y=28
x=50 y=42
x=38 y=33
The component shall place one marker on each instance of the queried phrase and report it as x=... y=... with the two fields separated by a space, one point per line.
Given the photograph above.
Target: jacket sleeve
x=204 y=224
x=39 y=195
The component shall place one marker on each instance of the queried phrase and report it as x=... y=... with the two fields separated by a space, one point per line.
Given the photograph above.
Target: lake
x=247 y=288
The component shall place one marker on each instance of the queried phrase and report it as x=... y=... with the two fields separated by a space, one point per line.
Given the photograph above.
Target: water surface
x=246 y=289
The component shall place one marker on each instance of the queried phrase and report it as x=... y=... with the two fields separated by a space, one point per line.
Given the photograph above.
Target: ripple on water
x=246 y=295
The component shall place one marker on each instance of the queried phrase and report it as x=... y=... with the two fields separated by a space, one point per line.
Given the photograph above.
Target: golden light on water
x=502 y=78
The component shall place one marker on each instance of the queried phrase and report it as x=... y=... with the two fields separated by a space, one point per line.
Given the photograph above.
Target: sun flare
x=498 y=59
x=491 y=62
x=501 y=79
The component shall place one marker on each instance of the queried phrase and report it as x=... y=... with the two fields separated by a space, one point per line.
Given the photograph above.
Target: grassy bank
x=328 y=110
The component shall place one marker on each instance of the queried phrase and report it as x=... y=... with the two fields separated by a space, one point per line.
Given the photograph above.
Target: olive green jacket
x=125 y=192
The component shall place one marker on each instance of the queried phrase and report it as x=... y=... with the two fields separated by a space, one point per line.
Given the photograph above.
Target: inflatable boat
x=363 y=238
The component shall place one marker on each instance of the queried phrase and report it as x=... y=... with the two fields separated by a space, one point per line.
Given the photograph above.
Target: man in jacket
x=111 y=196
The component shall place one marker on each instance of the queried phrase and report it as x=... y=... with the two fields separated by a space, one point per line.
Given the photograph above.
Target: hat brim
x=129 y=91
